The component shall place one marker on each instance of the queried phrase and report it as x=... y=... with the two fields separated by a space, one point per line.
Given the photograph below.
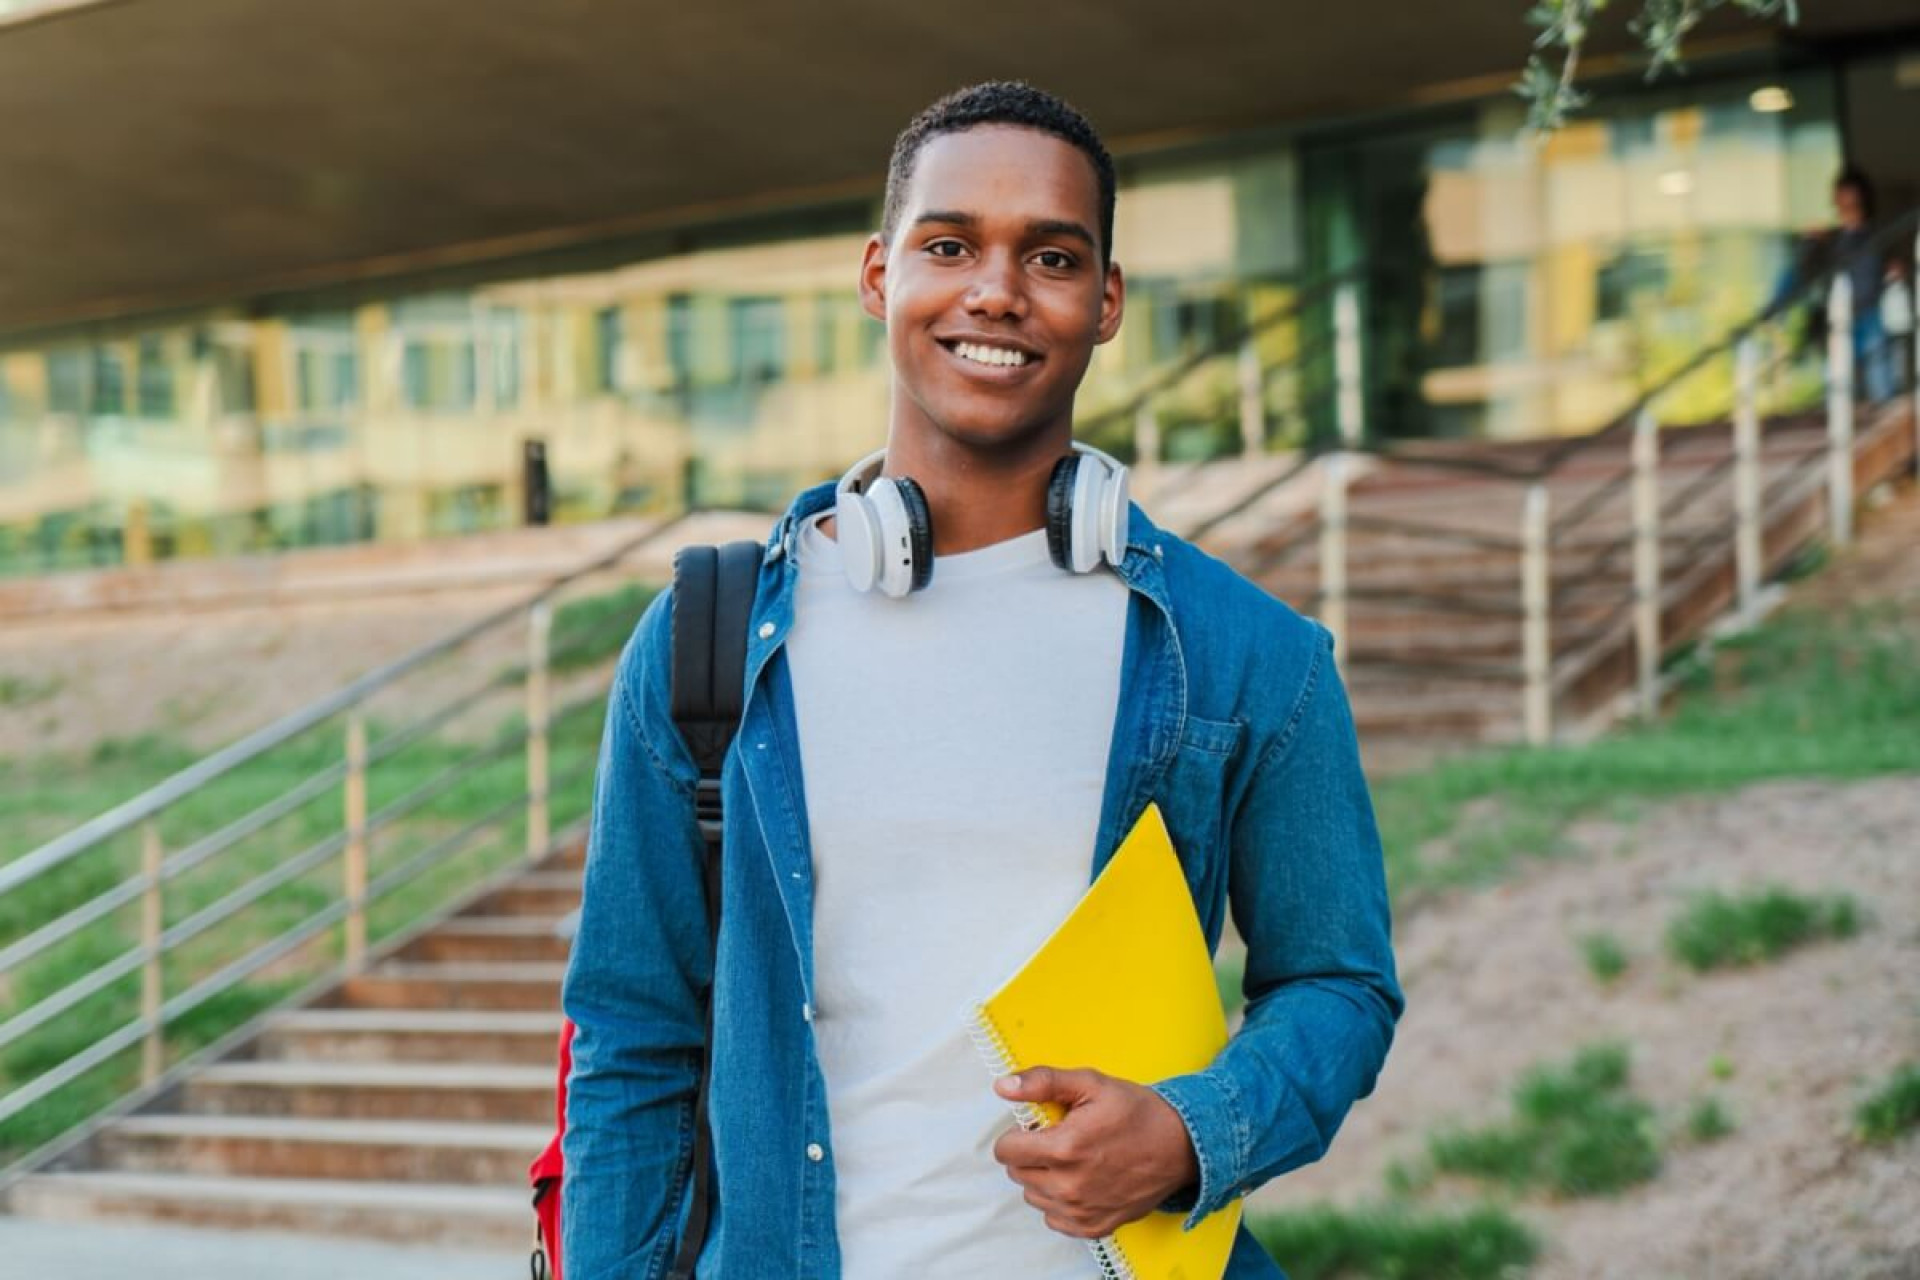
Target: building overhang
x=168 y=153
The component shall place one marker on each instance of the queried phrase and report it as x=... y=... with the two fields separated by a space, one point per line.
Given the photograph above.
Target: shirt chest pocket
x=1193 y=800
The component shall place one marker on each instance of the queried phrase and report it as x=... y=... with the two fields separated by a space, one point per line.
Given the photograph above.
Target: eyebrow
x=1037 y=227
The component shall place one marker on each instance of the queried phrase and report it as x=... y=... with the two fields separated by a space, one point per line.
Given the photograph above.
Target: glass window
x=759 y=339
x=155 y=378
x=67 y=381
x=109 y=381
x=326 y=362
x=607 y=337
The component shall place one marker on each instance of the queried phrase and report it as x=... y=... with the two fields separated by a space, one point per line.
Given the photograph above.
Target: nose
x=996 y=292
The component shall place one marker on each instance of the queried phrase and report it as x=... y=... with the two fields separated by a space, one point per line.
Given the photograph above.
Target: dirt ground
x=1496 y=982
x=209 y=677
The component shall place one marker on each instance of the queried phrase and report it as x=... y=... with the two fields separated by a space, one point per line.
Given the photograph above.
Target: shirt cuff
x=1210 y=1108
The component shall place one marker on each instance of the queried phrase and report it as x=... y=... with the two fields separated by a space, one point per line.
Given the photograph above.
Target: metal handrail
x=1306 y=295
x=347 y=846
x=131 y=813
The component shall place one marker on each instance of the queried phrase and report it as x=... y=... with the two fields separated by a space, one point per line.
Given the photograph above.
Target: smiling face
x=993 y=288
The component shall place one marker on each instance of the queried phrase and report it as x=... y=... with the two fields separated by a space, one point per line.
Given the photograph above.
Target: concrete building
x=276 y=275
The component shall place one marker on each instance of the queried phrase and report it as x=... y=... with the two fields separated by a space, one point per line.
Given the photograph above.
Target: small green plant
x=24 y=691
x=1708 y=1120
x=1229 y=972
x=1721 y=1067
x=1576 y=1130
x=1719 y=930
x=1891 y=1109
x=1325 y=1243
x=1606 y=958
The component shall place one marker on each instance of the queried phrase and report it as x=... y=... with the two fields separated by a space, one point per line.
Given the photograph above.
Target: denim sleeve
x=1307 y=887
x=641 y=960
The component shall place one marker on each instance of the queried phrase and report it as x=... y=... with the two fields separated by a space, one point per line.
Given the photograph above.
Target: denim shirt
x=1231 y=716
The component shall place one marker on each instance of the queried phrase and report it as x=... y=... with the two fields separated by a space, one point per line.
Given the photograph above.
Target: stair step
x=456 y=985
x=374 y=1091
x=414 y=1213
x=295 y=1147
x=522 y=939
x=538 y=893
x=413 y=1035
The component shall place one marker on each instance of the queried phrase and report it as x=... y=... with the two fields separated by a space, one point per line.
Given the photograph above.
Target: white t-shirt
x=954 y=748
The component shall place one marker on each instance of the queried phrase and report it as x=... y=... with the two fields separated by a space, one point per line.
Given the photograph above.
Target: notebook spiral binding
x=993 y=1050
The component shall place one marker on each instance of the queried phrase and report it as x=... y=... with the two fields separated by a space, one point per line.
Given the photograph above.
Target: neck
x=978 y=497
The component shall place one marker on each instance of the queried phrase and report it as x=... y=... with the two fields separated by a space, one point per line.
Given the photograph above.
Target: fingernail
x=1009 y=1084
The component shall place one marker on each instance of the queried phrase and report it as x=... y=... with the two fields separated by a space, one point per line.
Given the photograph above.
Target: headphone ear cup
x=919 y=530
x=1060 y=511
x=1089 y=495
x=857 y=529
x=1114 y=514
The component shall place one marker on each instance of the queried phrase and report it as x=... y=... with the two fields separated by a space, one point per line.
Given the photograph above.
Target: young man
x=926 y=778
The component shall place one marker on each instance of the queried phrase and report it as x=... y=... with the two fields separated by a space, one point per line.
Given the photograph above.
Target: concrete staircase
x=405 y=1105
x=1434 y=640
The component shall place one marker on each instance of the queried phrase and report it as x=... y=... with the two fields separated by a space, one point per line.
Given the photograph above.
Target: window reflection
x=1511 y=290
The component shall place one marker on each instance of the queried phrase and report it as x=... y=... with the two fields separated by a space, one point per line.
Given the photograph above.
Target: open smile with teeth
x=979 y=353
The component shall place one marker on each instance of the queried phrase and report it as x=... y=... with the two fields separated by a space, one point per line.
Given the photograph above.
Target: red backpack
x=713 y=591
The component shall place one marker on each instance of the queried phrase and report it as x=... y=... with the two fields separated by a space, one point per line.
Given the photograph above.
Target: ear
x=1113 y=301
x=873 y=278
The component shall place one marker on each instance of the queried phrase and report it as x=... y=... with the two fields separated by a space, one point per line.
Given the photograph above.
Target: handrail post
x=356 y=856
x=1253 y=395
x=539 y=624
x=1536 y=599
x=1746 y=474
x=1840 y=374
x=1146 y=449
x=1646 y=559
x=1350 y=401
x=153 y=1050
x=1333 y=552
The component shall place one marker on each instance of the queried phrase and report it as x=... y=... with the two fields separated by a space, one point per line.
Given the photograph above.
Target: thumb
x=1050 y=1084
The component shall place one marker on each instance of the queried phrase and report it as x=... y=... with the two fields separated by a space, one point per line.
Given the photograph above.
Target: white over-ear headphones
x=885 y=529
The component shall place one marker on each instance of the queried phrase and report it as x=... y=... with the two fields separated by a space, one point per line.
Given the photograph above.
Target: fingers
x=1069 y=1218
x=1071 y=1086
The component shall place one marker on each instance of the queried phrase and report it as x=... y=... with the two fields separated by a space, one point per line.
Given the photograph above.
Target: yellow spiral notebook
x=1125 y=985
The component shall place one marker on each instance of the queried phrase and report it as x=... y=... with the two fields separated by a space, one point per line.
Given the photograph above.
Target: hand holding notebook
x=1124 y=986
x=1120 y=1152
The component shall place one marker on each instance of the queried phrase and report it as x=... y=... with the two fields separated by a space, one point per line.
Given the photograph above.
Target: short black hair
x=1856 y=177
x=1010 y=102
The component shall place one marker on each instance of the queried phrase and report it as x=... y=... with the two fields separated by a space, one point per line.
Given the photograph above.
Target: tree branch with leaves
x=1661 y=25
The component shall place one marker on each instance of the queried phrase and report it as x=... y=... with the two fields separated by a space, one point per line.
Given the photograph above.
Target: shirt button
x=806 y=1011
x=815 y=1153
x=766 y=630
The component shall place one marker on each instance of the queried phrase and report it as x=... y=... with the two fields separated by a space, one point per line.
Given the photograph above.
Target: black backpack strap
x=713 y=590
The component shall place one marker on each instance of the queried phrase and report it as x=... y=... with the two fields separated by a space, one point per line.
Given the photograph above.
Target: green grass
x=1606 y=958
x=1229 y=972
x=1893 y=1108
x=592 y=629
x=1718 y=930
x=1708 y=1120
x=43 y=796
x=1576 y=1130
x=1325 y=1243
x=1814 y=695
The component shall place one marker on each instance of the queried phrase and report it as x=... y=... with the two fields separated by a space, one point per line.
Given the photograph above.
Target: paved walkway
x=31 y=1250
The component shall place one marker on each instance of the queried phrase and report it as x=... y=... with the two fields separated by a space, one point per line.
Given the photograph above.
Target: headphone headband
x=886 y=528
